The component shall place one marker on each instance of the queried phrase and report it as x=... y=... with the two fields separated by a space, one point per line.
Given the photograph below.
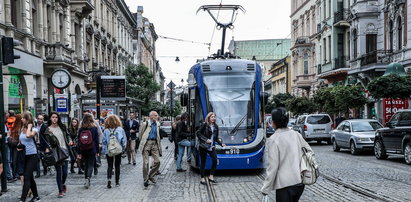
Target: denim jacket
x=120 y=135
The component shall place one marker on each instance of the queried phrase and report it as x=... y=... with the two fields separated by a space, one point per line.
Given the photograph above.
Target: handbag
x=54 y=156
x=60 y=154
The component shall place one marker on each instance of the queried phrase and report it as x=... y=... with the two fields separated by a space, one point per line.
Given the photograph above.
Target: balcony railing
x=59 y=52
x=302 y=40
x=374 y=57
x=342 y=16
x=340 y=62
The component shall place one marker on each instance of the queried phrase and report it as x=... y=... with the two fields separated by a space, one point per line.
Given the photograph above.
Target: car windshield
x=362 y=126
x=319 y=119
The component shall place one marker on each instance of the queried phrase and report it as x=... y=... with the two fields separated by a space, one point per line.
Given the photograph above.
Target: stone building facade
x=81 y=36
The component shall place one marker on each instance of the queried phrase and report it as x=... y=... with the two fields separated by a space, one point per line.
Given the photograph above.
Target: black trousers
x=289 y=194
x=89 y=158
x=116 y=160
x=29 y=183
x=203 y=156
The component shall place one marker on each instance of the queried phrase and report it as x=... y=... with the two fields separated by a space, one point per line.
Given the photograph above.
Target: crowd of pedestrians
x=47 y=141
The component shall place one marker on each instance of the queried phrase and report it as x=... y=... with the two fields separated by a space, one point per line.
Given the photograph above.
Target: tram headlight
x=245 y=140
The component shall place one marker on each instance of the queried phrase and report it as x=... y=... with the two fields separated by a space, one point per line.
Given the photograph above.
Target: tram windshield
x=231 y=97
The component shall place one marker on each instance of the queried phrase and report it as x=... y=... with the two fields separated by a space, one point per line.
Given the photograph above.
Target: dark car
x=395 y=137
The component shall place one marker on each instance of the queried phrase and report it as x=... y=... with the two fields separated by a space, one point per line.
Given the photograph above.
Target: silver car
x=355 y=134
x=314 y=127
x=166 y=126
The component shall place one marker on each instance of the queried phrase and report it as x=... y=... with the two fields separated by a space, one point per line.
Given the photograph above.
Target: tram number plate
x=233 y=150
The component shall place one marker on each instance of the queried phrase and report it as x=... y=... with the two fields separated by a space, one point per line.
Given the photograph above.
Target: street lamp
x=177 y=59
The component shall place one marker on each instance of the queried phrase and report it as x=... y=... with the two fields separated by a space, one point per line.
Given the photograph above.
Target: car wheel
x=407 y=153
x=329 y=142
x=319 y=141
x=353 y=149
x=379 y=150
x=336 y=148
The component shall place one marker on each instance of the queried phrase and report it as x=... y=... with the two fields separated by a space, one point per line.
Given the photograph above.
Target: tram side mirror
x=264 y=97
x=184 y=99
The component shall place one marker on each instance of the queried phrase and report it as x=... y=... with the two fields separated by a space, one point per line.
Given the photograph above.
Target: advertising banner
x=397 y=104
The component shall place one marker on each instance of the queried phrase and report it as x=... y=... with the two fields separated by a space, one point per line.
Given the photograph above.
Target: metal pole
x=171 y=101
x=98 y=82
x=2 y=132
x=223 y=40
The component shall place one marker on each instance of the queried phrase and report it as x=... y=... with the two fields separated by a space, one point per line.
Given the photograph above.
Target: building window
x=305 y=63
x=325 y=10
x=354 y=41
x=390 y=35
x=399 y=34
x=14 y=9
x=329 y=48
x=34 y=23
x=371 y=43
x=325 y=50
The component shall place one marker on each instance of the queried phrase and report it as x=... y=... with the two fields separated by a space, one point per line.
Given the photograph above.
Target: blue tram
x=233 y=90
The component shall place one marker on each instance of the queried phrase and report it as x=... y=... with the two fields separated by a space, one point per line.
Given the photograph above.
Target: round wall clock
x=60 y=78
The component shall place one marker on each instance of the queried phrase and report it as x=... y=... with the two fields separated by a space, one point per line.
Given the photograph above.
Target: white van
x=314 y=127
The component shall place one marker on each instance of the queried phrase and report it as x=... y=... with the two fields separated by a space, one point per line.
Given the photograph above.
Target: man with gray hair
x=149 y=136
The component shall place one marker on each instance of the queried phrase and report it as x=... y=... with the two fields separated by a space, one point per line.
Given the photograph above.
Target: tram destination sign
x=113 y=87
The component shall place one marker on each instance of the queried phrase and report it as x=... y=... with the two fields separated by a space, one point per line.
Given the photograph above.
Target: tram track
x=211 y=191
x=355 y=188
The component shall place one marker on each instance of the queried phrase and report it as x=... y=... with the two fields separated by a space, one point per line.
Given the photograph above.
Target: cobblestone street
x=344 y=178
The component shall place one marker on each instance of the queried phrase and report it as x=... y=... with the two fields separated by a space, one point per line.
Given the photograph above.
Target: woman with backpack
x=88 y=146
x=283 y=156
x=73 y=131
x=26 y=140
x=13 y=141
x=114 y=144
x=56 y=137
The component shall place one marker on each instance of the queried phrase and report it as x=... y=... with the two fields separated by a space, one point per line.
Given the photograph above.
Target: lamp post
x=171 y=85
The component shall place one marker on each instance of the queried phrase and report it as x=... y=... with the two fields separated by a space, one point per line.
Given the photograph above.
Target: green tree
x=278 y=100
x=324 y=100
x=141 y=85
x=300 y=105
x=348 y=97
x=391 y=86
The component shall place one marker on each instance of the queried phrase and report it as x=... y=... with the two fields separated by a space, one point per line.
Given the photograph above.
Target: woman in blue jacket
x=113 y=127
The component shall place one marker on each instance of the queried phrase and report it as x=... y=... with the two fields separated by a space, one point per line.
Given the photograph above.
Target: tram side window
x=198 y=112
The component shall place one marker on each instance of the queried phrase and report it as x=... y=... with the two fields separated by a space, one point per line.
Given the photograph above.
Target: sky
x=263 y=19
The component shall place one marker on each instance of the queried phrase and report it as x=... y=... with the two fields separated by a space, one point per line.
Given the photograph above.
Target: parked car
x=395 y=137
x=314 y=127
x=355 y=134
x=166 y=127
x=269 y=130
x=291 y=123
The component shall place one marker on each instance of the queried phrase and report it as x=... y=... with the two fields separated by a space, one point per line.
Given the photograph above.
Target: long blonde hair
x=112 y=121
x=207 y=119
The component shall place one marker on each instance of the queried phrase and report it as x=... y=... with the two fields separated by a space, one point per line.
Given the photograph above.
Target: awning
x=27 y=65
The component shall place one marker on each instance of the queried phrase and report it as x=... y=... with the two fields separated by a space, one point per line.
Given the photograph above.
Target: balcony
x=380 y=56
x=59 y=53
x=341 y=18
x=340 y=62
x=302 y=41
x=82 y=7
x=370 y=7
x=304 y=81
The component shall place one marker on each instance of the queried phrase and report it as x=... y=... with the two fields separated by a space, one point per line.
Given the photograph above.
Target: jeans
x=29 y=183
x=203 y=156
x=61 y=175
x=291 y=193
x=89 y=158
x=181 y=145
x=117 y=162
x=8 y=157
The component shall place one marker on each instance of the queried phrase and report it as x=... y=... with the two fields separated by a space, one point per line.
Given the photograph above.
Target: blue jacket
x=120 y=135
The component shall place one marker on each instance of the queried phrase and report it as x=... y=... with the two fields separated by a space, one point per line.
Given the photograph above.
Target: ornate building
x=303 y=32
x=77 y=35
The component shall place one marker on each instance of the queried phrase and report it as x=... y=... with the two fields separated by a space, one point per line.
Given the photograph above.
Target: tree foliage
x=278 y=100
x=390 y=86
x=142 y=86
x=300 y=105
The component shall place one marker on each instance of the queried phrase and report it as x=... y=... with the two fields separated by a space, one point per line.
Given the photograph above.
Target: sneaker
x=36 y=198
x=145 y=183
x=95 y=171
x=109 y=184
x=152 y=180
x=181 y=170
x=80 y=172
x=117 y=184
x=60 y=195
x=87 y=183
x=64 y=188
x=134 y=163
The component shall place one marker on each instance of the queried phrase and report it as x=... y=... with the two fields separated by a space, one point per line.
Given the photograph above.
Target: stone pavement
x=390 y=179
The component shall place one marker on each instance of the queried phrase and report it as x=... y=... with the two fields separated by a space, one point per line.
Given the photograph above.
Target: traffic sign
x=171 y=85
